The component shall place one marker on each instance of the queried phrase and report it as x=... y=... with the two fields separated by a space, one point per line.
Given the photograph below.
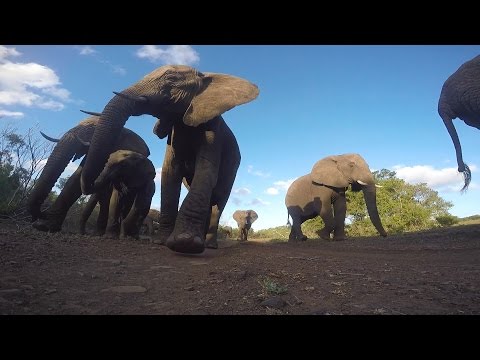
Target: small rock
x=275 y=302
x=189 y=288
x=50 y=291
x=27 y=287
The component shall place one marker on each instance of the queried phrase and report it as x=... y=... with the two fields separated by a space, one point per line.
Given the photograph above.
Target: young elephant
x=200 y=146
x=73 y=145
x=132 y=176
x=322 y=192
x=151 y=221
x=244 y=219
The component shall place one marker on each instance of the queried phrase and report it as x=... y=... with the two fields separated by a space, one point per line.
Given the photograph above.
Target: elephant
x=322 y=192
x=131 y=175
x=244 y=219
x=201 y=148
x=228 y=231
x=151 y=221
x=459 y=98
x=73 y=145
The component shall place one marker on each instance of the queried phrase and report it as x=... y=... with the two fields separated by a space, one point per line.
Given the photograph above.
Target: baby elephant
x=322 y=192
x=244 y=219
x=132 y=177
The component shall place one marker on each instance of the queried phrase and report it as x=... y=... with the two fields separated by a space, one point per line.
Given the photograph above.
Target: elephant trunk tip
x=467 y=177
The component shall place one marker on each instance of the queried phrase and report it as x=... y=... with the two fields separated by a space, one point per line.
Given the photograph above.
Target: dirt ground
x=432 y=272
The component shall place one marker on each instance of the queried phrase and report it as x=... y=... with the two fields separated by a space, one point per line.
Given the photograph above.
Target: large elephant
x=460 y=98
x=322 y=192
x=132 y=177
x=244 y=219
x=73 y=145
x=200 y=146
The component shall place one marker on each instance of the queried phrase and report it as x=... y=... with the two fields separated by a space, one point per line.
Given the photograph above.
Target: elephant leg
x=212 y=228
x=87 y=211
x=296 y=230
x=170 y=195
x=104 y=202
x=189 y=232
x=326 y=213
x=114 y=215
x=340 y=211
x=53 y=218
x=133 y=222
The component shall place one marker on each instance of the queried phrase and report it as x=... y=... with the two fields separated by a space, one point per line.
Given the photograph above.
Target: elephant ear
x=238 y=215
x=220 y=93
x=326 y=172
x=253 y=215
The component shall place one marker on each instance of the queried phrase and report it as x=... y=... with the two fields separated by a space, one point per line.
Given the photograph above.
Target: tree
x=21 y=161
x=402 y=207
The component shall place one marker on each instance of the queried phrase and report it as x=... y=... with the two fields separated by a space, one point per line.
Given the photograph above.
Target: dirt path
x=434 y=272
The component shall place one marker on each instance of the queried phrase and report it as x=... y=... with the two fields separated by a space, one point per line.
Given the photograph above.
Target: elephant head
x=171 y=93
x=245 y=218
x=70 y=146
x=340 y=171
x=125 y=169
x=459 y=99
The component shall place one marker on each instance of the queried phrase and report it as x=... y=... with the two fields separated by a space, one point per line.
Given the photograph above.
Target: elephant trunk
x=109 y=127
x=56 y=164
x=370 y=196
x=462 y=167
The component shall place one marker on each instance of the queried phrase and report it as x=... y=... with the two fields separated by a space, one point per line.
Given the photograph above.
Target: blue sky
x=378 y=101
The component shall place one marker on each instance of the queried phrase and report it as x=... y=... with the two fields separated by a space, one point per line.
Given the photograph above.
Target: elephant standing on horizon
x=460 y=98
x=244 y=219
x=200 y=146
x=72 y=146
x=132 y=177
x=322 y=192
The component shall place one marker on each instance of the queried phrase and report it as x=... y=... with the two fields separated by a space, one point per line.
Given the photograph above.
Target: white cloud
x=260 y=202
x=257 y=172
x=171 y=54
x=272 y=191
x=85 y=50
x=6 y=113
x=280 y=185
x=242 y=191
x=446 y=179
x=6 y=52
x=29 y=84
x=117 y=69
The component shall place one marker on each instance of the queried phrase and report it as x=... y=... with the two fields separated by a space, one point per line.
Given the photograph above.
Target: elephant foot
x=186 y=242
x=43 y=225
x=324 y=234
x=211 y=244
x=159 y=242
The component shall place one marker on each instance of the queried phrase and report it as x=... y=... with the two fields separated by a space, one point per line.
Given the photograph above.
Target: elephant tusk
x=378 y=186
x=362 y=183
x=49 y=138
x=91 y=113
x=141 y=99
x=85 y=143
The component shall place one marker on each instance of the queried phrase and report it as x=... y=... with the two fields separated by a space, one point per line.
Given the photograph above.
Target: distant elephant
x=228 y=231
x=244 y=219
x=71 y=146
x=200 y=146
x=316 y=193
x=460 y=98
x=132 y=176
x=151 y=221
